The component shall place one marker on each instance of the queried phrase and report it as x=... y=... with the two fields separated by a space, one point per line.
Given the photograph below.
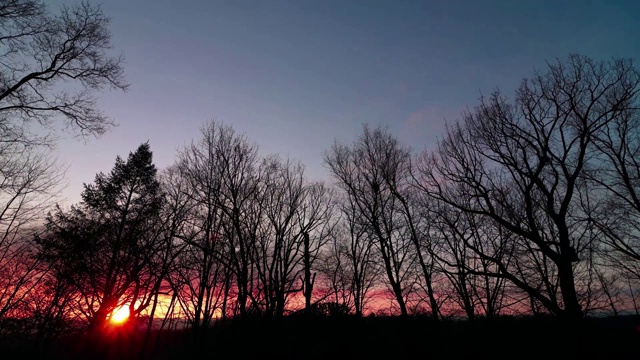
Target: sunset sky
x=295 y=75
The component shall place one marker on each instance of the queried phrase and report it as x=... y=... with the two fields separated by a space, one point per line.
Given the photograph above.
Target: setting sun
x=120 y=315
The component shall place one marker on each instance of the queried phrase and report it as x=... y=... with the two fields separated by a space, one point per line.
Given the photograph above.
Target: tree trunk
x=308 y=281
x=572 y=308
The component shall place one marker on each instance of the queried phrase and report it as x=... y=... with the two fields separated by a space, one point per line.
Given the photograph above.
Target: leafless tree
x=315 y=219
x=458 y=236
x=29 y=183
x=616 y=176
x=366 y=172
x=199 y=282
x=49 y=307
x=222 y=172
x=334 y=271
x=279 y=248
x=520 y=164
x=350 y=266
x=198 y=277
x=238 y=166
x=297 y=216
x=50 y=67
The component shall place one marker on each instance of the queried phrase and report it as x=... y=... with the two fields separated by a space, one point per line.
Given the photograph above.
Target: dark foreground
x=366 y=338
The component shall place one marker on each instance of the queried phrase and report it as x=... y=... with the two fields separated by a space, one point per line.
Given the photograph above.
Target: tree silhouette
x=297 y=218
x=617 y=176
x=42 y=53
x=522 y=164
x=362 y=172
x=525 y=207
x=103 y=244
x=51 y=66
x=349 y=264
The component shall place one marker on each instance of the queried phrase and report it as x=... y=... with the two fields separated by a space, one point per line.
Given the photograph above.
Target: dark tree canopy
x=103 y=244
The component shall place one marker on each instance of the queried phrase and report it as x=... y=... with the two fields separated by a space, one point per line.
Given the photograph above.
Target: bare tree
x=239 y=202
x=296 y=214
x=175 y=214
x=363 y=172
x=29 y=183
x=156 y=289
x=222 y=174
x=199 y=274
x=199 y=280
x=315 y=220
x=349 y=263
x=617 y=176
x=458 y=236
x=279 y=248
x=395 y=164
x=520 y=164
x=51 y=66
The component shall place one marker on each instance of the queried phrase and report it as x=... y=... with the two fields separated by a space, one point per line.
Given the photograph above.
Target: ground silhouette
x=363 y=338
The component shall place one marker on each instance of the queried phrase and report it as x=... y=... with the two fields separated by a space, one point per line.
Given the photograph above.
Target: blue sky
x=296 y=75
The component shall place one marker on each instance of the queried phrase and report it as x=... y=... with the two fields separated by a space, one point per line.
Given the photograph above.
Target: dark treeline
x=528 y=205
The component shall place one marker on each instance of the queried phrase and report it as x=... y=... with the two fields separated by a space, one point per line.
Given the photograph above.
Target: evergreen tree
x=104 y=244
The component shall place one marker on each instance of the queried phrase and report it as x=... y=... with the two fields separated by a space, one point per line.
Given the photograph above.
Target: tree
x=29 y=183
x=296 y=221
x=164 y=263
x=522 y=164
x=617 y=174
x=349 y=264
x=222 y=173
x=363 y=171
x=457 y=236
x=51 y=66
x=103 y=245
x=198 y=277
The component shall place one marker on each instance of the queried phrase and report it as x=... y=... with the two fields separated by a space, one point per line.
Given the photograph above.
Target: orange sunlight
x=120 y=314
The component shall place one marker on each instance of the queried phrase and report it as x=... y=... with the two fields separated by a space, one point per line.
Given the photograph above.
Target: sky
x=295 y=76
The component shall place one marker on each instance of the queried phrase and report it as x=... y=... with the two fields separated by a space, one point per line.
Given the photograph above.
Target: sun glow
x=120 y=314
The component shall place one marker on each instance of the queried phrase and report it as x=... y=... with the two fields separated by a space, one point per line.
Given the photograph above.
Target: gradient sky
x=296 y=75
